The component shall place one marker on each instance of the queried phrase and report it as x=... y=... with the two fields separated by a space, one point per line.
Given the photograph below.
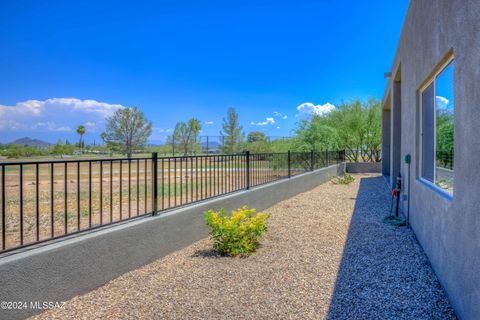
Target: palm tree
x=103 y=135
x=81 y=131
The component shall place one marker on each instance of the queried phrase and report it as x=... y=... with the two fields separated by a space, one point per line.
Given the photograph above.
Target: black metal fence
x=444 y=159
x=363 y=155
x=46 y=200
x=208 y=144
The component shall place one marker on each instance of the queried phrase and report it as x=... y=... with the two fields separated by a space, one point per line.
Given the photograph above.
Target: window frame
x=431 y=79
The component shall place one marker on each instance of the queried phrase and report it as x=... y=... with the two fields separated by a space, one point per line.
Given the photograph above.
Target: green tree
x=195 y=127
x=373 y=139
x=354 y=126
x=257 y=142
x=232 y=132
x=255 y=136
x=316 y=134
x=103 y=136
x=81 y=131
x=350 y=124
x=284 y=145
x=127 y=129
x=444 y=137
x=15 y=151
x=58 y=148
x=185 y=135
x=20 y=151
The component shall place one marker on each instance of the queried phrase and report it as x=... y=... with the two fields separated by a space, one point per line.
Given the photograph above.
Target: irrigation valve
x=396 y=220
x=398 y=190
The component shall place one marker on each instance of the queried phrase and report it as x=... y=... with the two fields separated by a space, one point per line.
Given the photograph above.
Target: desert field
x=44 y=200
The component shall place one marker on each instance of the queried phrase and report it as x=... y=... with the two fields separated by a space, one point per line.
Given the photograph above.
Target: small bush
x=345 y=179
x=237 y=234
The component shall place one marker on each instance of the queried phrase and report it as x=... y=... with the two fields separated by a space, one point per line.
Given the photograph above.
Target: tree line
x=185 y=137
x=354 y=126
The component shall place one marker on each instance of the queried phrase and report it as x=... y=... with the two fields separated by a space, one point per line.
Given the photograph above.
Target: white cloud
x=309 y=108
x=263 y=123
x=11 y=124
x=278 y=127
x=159 y=133
x=90 y=106
x=208 y=123
x=280 y=115
x=442 y=103
x=50 y=126
x=55 y=115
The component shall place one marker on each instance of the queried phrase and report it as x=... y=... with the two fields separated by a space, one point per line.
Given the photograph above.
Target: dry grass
x=318 y=260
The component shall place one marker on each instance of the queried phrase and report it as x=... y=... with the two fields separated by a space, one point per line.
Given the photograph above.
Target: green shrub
x=345 y=179
x=237 y=234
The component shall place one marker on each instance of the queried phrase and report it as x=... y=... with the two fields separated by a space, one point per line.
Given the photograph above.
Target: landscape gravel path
x=327 y=255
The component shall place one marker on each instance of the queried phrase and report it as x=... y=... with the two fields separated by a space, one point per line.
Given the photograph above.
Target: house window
x=437 y=128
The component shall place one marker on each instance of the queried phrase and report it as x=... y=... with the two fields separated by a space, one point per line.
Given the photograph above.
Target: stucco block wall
x=58 y=271
x=448 y=229
x=363 y=167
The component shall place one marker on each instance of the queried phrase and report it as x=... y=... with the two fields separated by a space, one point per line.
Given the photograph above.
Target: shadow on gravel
x=207 y=253
x=384 y=273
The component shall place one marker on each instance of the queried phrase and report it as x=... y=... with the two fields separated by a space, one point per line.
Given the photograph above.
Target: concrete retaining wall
x=444 y=174
x=58 y=271
x=363 y=167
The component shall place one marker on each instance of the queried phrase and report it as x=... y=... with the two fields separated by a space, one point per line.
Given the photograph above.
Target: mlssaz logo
x=47 y=305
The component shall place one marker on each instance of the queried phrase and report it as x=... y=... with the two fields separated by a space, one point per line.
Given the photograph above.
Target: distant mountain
x=211 y=145
x=31 y=142
x=155 y=143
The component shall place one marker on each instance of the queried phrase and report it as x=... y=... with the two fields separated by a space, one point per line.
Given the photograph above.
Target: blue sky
x=444 y=89
x=65 y=63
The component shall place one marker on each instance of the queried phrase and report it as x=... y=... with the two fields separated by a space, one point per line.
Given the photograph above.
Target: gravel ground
x=318 y=260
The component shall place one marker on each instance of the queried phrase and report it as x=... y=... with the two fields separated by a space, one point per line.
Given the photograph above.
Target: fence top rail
x=30 y=162
x=203 y=156
x=216 y=155
x=133 y=159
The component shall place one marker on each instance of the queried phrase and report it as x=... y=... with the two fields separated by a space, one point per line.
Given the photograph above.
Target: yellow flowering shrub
x=345 y=179
x=238 y=233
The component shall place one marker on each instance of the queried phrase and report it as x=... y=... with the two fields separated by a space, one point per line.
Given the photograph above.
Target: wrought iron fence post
x=247 y=167
x=155 y=182
x=289 y=164
x=312 y=166
x=4 y=228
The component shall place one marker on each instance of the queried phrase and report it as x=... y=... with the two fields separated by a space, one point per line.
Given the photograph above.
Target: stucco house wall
x=448 y=228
